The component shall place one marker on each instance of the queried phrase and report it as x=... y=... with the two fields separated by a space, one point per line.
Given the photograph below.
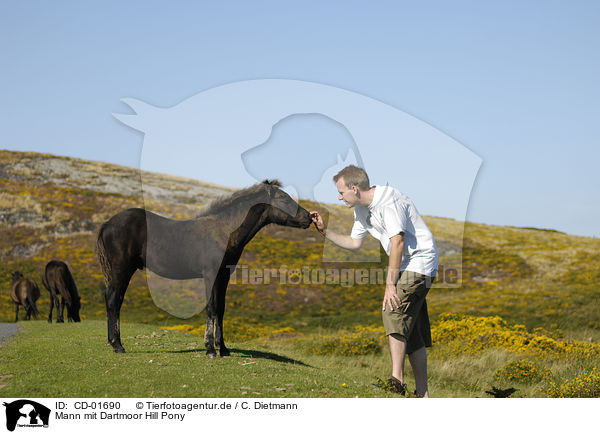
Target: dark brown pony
x=58 y=280
x=24 y=292
x=208 y=246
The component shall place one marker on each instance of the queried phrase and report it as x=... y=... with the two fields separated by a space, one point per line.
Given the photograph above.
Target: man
x=391 y=217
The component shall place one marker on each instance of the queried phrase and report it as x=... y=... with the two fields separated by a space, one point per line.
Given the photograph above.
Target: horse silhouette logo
x=26 y=413
x=300 y=132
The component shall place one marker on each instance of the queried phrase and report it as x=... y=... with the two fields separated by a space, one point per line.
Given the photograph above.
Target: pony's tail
x=31 y=297
x=102 y=258
x=63 y=282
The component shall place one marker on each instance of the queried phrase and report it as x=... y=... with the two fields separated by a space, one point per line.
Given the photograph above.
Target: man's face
x=348 y=195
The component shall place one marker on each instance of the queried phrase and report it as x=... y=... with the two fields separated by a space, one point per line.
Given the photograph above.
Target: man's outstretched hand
x=318 y=221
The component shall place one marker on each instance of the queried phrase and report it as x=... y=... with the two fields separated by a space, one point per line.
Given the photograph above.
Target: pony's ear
x=273 y=182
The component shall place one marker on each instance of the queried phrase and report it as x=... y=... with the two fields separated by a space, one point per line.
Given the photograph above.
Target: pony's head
x=73 y=309
x=283 y=209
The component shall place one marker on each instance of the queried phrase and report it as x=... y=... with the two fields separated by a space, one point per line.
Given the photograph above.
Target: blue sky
x=514 y=82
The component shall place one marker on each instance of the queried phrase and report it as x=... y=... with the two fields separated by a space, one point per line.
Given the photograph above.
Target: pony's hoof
x=117 y=347
x=211 y=354
x=225 y=353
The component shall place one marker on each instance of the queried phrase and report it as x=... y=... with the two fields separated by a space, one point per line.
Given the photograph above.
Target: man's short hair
x=353 y=175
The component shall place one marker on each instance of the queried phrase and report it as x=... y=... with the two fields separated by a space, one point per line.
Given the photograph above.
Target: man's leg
x=398 y=351
x=410 y=320
x=418 y=362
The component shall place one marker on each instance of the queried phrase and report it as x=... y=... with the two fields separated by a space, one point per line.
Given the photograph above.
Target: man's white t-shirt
x=390 y=213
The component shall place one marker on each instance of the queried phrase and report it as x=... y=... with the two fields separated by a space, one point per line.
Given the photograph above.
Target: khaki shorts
x=411 y=319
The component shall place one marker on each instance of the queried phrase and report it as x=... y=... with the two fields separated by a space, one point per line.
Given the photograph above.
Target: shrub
x=358 y=341
x=584 y=386
x=522 y=371
x=472 y=334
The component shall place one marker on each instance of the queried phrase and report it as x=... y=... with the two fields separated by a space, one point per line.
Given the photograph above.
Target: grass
x=164 y=363
x=160 y=363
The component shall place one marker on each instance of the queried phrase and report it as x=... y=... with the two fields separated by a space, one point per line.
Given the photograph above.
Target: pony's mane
x=227 y=201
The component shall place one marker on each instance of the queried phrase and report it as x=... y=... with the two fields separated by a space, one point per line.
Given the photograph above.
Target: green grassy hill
x=526 y=313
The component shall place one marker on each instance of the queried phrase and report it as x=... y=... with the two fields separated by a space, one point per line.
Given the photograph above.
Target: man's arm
x=393 y=273
x=344 y=241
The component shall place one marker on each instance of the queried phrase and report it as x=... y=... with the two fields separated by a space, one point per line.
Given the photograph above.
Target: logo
x=26 y=413
x=301 y=133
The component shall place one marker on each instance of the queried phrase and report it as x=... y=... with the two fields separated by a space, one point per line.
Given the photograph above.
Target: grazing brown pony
x=58 y=280
x=207 y=246
x=24 y=292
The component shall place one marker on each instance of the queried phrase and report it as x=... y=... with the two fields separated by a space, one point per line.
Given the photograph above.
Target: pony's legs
x=51 y=308
x=209 y=336
x=53 y=302
x=223 y=350
x=60 y=312
x=211 y=316
x=221 y=291
x=113 y=313
x=215 y=309
x=57 y=304
x=69 y=317
x=115 y=293
x=16 y=312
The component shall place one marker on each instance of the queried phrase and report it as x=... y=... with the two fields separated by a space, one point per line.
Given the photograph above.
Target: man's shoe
x=396 y=386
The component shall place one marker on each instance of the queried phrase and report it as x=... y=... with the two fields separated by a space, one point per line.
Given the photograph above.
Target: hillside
x=538 y=282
